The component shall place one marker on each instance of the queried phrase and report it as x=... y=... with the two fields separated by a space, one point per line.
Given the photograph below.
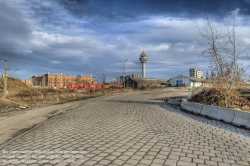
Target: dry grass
x=21 y=93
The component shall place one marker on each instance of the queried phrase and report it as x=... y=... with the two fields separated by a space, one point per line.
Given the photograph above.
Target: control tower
x=143 y=58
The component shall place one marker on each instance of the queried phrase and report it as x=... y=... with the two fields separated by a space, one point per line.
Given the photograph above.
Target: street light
x=93 y=82
x=124 y=73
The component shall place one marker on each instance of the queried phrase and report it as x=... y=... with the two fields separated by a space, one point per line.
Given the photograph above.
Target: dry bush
x=222 y=52
x=223 y=96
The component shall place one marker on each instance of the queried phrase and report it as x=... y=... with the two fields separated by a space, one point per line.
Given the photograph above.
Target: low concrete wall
x=192 y=107
x=236 y=117
x=242 y=118
x=218 y=113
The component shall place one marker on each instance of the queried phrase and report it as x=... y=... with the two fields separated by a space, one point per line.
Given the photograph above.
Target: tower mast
x=143 y=58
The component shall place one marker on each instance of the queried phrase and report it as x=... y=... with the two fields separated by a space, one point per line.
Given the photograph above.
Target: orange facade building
x=60 y=80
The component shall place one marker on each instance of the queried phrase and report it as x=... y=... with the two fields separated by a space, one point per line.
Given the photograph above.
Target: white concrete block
x=190 y=106
x=218 y=113
x=242 y=118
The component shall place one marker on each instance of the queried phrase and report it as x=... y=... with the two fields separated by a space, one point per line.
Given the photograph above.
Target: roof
x=192 y=78
x=195 y=79
x=149 y=80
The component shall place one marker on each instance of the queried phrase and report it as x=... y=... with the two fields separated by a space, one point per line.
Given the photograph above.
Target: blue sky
x=96 y=36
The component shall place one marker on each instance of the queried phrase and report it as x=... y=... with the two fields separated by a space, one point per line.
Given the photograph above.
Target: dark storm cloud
x=96 y=36
x=14 y=30
x=127 y=10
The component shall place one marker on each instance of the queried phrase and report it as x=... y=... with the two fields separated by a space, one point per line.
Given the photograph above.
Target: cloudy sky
x=96 y=36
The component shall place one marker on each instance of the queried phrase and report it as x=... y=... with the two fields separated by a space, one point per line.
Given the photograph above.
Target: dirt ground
x=15 y=122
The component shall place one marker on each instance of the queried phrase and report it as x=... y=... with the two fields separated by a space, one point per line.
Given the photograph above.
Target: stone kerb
x=242 y=118
x=218 y=113
x=190 y=106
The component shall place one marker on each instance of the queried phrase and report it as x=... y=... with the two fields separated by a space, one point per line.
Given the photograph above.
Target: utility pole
x=93 y=82
x=5 y=79
x=124 y=73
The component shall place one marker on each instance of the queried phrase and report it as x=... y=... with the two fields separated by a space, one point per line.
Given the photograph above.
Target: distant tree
x=104 y=79
x=207 y=75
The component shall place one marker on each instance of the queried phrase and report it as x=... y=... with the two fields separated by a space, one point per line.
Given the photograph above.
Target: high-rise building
x=195 y=73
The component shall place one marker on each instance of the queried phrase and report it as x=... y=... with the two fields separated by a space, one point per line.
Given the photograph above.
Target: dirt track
x=15 y=122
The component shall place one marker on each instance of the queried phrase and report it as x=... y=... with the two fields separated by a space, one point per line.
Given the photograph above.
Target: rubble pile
x=216 y=97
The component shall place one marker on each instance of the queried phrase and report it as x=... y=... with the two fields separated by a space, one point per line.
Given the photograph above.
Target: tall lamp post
x=93 y=82
x=5 y=80
x=124 y=73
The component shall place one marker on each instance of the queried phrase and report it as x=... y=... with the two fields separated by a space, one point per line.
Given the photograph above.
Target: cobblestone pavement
x=129 y=129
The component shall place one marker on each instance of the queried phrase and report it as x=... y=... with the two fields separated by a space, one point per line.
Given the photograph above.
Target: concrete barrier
x=242 y=118
x=218 y=113
x=190 y=106
x=236 y=117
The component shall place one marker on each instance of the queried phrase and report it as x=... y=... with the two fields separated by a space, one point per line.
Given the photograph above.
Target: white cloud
x=23 y=52
x=160 y=47
x=55 y=62
x=236 y=11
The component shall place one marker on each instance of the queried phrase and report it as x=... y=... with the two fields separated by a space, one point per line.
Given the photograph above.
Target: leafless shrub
x=226 y=78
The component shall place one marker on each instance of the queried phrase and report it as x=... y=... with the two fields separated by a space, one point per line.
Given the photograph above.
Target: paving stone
x=228 y=161
x=211 y=162
x=136 y=129
x=90 y=163
x=192 y=155
x=119 y=162
x=176 y=150
x=187 y=159
x=124 y=158
x=173 y=157
x=209 y=154
x=155 y=164
x=204 y=157
x=166 y=149
x=198 y=152
x=198 y=161
x=178 y=153
x=159 y=156
x=170 y=162
x=216 y=159
x=104 y=162
x=183 y=163
x=159 y=161
x=224 y=164
x=145 y=161
x=150 y=157
x=132 y=161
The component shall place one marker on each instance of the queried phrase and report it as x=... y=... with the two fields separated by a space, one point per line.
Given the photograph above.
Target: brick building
x=60 y=80
x=28 y=81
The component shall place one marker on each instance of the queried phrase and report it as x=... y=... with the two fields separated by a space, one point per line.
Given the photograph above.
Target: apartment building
x=195 y=73
x=60 y=80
